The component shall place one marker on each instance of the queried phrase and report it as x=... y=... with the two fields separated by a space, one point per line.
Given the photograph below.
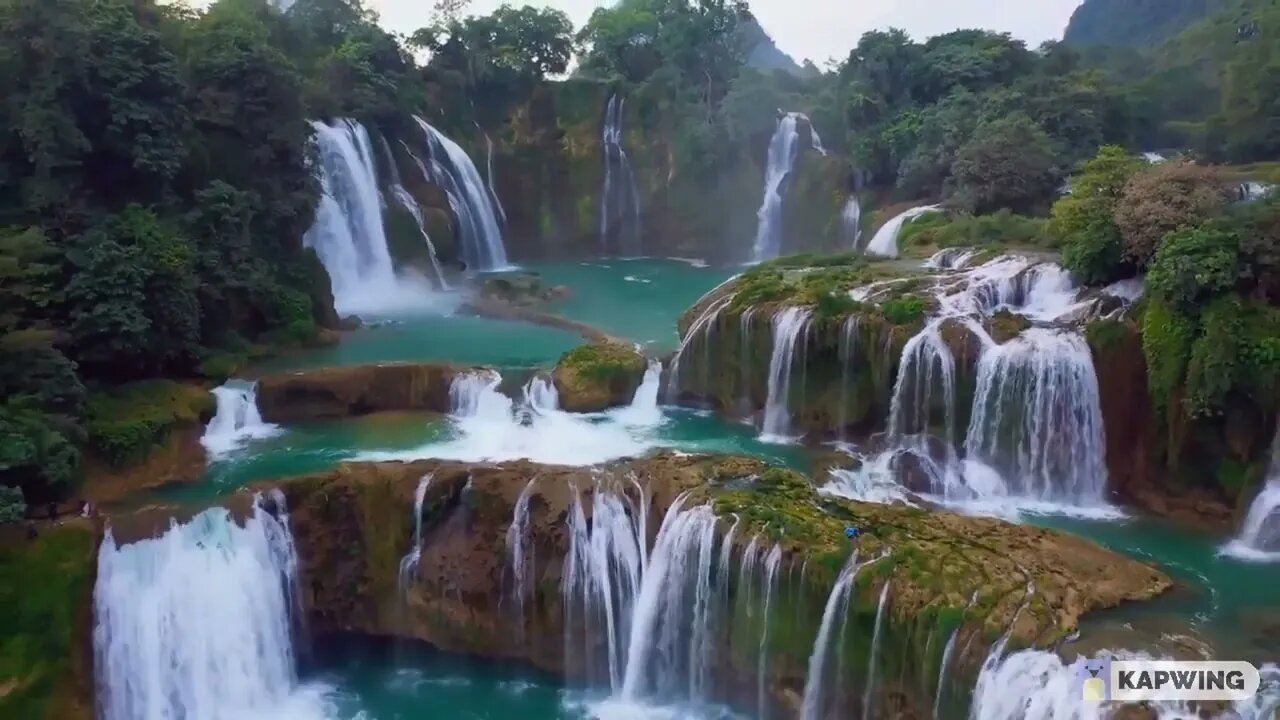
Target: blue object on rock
x=851 y=532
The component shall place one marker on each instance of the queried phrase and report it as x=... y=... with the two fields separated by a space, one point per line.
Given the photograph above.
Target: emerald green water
x=639 y=299
x=462 y=339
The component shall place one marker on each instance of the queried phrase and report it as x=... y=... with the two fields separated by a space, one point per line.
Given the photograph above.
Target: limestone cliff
x=355 y=390
x=353 y=525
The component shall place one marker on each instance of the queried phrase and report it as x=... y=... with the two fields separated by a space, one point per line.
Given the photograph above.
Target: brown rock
x=599 y=376
x=179 y=458
x=355 y=390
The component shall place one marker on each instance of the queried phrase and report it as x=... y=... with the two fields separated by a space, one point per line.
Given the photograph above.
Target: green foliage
x=1167 y=337
x=602 y=362
x=12 y=507
x=1084 y=221
x=126 y=422
x=1007 y=164
x=1215 y=355
x=1000 y=229
x=1132 y=22
x=904 y=310
x=45 y=585
x=1163 y=199
x=508 y=47
x=1195 y=265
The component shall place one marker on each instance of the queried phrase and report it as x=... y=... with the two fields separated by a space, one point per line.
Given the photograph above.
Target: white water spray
x=811 y=707
x=409 y=563
x=196 y=624
x=885 y=242
x=236 y=420
x=1259 y=538
x=783 y=150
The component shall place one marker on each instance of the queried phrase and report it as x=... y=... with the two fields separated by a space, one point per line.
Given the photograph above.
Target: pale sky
x=819 y=29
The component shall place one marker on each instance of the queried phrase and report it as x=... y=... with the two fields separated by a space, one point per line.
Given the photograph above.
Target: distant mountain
x=1135 y=22
x=765 y=54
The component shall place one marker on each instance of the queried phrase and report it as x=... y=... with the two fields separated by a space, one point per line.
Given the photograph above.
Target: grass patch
x=126 y=422
x=601 y=362
x=42 y=584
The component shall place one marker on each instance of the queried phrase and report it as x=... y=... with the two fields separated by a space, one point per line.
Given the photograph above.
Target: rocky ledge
x=356 y=390
x=780 y=544
x=598 y=376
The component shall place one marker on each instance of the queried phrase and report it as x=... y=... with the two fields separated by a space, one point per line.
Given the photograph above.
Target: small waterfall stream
x=409 y=563
x=869 y=692
x=788 y=328
x=813 y=703
x=452 y=169
x=1259 y=537
x=619 y=198
x=236 y=420
x=523 y=558
x=851 y=220
x=885 y=242
x=771 y=563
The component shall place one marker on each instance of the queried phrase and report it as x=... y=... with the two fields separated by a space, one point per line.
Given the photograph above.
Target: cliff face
x=548 y=162
x=355 y=390
x=946 y=573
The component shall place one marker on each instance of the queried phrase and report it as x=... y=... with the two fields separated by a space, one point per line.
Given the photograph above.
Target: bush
x=1163 y=199
x=1194 y=265
x=1000 y=228
x=904 y=310
x=1167 y=336
x=125 y=423
x=1095 y=258
x=1215 y=358
x=12 y=507
x=1083 y=222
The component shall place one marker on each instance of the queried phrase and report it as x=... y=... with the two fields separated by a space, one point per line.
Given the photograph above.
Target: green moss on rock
x=126 y=422
x=595 y=377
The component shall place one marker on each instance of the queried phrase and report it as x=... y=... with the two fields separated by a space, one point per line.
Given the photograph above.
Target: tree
x=1007 y=164
x=509 y=46
x=1162 y=199
x=1194 y=265
x=1084 y=220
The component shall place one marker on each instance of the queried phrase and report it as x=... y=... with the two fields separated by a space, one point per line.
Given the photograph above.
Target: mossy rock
x=126 y=422
x=46 y=593
x=599 y=376
x=1005 y=326
x=522 y=289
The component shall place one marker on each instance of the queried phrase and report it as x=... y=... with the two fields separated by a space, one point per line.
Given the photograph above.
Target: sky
x=818 y=30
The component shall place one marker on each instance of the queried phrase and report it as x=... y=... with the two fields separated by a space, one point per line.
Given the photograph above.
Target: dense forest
x=157 y=182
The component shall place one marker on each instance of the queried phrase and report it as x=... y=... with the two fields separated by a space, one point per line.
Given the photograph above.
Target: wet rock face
x=355 y=390
x=598 y=376
x=354 y=525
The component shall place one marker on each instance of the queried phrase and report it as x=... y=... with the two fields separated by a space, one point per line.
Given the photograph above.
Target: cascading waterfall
x=409 y=563
x=771 y=563
x=347 y=233
x=601 y=578
x=1038 y=684
x=621 y=197
x=1259 y=537
x=407 y=201
x=848 y=344
x=1037 y=419
x=197 y=623
x=851 y=219
x=644 y=410
x=700 y=328
x=885 y=242
x=783 y=150
x=927 y=368
x=868 y=693
x=788 y=327
x=452 y=169
x=676 y=586
x=236 y=420
x=522 y=555
x=812 y=705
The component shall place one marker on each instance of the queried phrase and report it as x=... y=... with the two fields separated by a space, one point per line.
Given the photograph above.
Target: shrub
x=1083 y=222
x=1195 y=264
x=1163 y=199
x=904 y=310
x=1095 y=258
x=12 y=507
x=125 y=423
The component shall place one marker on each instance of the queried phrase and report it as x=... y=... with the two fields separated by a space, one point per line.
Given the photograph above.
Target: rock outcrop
x=353 y=525
x=355 y=390
x=599 y=376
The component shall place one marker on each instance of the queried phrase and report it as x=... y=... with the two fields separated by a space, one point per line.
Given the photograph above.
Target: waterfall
x=411 y=206
x=951 y=258
x=347 y=233
x=788 y=325
x=927 y=367
x=660 y=662
x=644 y=410
x=236 y=420
x=771 y=563
x=885 y=242
x=488 y=167
x=197 y=623
x=1038 y=684
x=1259 y=537
x=452 y=169
x=409 y=563
x=783 y=150
x=847 y=346
x=521 y=552
x=875 y=652
x=541 y=396
x=1037 y=419
x=851 y=219
x=625 y=198
x=947 y=652
x=837 y=604
x=601 y=577
x=701 y=327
